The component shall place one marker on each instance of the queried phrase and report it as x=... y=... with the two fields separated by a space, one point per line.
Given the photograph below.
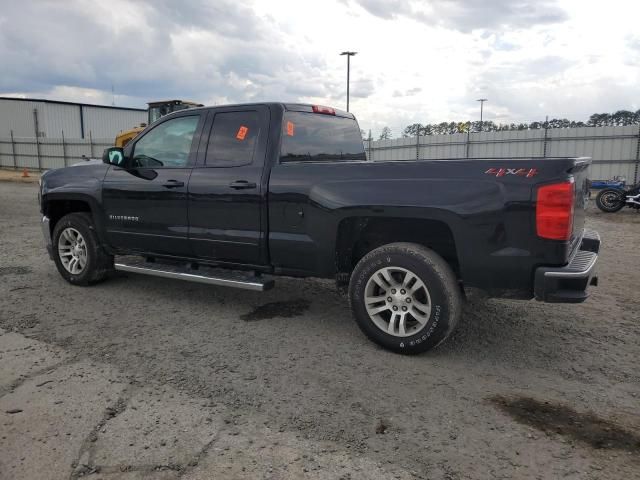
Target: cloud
x=194 y=50
x=418 y=61
x=468 y=15
x=523 y=71
x=408 y=93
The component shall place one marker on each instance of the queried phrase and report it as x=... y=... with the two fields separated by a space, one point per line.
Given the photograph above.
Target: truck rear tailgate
x=569 y=282
x=580 y=175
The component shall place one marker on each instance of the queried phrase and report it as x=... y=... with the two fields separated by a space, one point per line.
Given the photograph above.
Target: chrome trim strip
x=45 y=224
x=247 y=285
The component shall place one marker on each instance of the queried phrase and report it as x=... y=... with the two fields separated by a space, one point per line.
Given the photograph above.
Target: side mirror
x=113 y=156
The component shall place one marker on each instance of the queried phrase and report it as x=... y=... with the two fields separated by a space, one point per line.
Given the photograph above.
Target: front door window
x=167 y=145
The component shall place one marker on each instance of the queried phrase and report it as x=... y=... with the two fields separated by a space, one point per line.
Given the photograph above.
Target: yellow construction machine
x=156 y=110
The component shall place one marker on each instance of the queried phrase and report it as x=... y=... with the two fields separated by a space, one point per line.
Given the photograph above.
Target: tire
x=610 y=200
x=432 y=311
x=92 y=263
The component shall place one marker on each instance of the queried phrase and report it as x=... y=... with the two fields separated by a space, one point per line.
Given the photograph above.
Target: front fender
x=76 y=184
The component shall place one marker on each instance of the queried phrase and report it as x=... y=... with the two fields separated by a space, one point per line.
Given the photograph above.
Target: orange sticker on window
x=290 y=129
x=242 y=132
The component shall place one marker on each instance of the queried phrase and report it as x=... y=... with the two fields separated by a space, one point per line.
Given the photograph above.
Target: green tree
x=619 y=118
x=385 y=134
x=414 y=130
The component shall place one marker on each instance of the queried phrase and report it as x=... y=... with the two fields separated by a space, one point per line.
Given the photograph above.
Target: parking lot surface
x=149 y=378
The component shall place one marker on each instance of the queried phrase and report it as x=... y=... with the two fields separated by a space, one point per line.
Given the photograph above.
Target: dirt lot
x=150 y=378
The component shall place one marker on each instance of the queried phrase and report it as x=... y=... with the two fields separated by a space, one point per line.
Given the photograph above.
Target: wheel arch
x=357 y=236
x=57 y=206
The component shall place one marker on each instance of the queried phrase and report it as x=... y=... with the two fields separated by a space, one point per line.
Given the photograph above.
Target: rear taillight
x=554 y=210
x=321 y=109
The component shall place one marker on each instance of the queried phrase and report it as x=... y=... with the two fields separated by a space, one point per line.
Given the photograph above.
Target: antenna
x=113 y=96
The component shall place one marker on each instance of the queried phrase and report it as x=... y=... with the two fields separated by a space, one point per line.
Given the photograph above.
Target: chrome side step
x=208 y=275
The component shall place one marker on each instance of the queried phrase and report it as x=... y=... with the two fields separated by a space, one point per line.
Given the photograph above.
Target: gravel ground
x=16 y=175
x=142 y=377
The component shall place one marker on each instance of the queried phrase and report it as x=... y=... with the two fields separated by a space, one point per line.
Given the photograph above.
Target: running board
x=208 y=275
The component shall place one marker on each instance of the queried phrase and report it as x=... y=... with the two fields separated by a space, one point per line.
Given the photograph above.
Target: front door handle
x=173 y=184
x=242 y=184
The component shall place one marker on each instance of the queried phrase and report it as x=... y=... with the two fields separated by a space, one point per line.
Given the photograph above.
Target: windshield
x=156 y=112
x=313 y=137
x=161 y=110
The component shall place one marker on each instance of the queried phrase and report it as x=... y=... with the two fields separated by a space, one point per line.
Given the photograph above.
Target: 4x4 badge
x=522 y=172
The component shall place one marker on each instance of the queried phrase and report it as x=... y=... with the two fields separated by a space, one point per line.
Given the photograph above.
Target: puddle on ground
x=562 y=420
x=287 y=309
x=14 y=271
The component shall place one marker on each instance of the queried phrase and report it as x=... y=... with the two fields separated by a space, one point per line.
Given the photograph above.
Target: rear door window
x=233 y=139
x=312 y=137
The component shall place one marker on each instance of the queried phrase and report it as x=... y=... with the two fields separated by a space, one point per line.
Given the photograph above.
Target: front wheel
x=405 y=297
x=77 y=252
x=610 y=200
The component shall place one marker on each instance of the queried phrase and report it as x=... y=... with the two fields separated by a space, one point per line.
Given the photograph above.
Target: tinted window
x=233 y=139
x=315 y=137
x=167 y=145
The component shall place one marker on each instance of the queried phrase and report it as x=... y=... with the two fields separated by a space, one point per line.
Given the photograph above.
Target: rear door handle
x=242 y=184
x=173 y=184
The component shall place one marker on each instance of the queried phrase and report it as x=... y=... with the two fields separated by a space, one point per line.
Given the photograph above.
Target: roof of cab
x=296 y=107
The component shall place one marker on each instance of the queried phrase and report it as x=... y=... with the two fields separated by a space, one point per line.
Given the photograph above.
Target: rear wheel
x=405 y=297
x=610 y=200
x=77 y=252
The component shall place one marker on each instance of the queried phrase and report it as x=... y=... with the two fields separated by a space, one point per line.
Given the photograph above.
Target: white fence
x=615 y=150
x=47 y=153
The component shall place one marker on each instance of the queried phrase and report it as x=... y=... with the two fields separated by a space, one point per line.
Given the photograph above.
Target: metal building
x=26 y=117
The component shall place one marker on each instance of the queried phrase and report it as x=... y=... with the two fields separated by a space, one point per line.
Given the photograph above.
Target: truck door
x=227 y=221
x=145 y=201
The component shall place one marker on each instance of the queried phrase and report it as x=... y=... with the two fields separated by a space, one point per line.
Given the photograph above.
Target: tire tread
x=443 y=271
x=103 y=261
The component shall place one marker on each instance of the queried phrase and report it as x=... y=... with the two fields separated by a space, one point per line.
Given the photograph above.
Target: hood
x=88 y=171
x=90 y=161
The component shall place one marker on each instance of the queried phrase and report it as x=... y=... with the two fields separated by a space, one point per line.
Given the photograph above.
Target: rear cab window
x=313 y=137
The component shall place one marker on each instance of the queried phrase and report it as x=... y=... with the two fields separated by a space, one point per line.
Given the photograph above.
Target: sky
x=423 y=61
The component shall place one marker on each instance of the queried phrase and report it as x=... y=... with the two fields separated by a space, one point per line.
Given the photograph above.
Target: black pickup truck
x=234 y=195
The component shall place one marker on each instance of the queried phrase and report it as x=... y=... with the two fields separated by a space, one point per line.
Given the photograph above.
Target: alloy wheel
x=397 y=301
x=72 y=250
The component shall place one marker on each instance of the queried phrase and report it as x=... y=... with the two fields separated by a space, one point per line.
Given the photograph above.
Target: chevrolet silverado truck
x=237 y=195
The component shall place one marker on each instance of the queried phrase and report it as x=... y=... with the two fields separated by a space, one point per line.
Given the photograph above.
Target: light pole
x=481 y=100
x=349 y=55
